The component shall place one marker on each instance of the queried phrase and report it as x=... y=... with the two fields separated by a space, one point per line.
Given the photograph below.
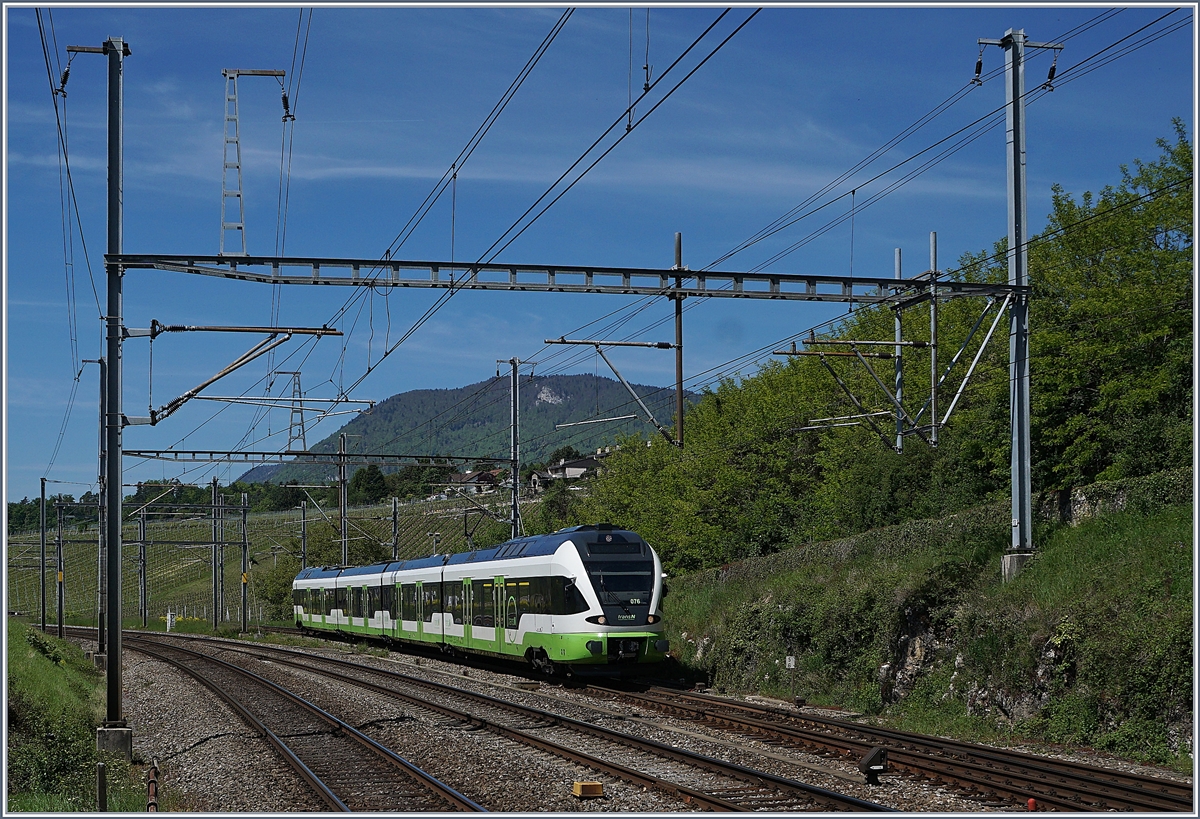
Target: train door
x=468 y=609
x=483 y=614
x=512 y=616
x=498 y=611
x=393 y=608
x=420 y=609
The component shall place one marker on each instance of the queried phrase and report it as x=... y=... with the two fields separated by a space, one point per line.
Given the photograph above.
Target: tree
x=564 y=453
x=560 y=507
x=367 y=485
x=1110 y=327
x=273 y=584
x=1111 y=353
x=24 y=515
x=416 y=480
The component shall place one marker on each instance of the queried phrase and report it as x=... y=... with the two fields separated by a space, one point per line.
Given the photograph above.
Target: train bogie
x=582 y=597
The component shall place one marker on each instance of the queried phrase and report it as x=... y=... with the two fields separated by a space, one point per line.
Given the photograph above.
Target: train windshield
x=620 y=567
x=622 y=581
x=623 y=576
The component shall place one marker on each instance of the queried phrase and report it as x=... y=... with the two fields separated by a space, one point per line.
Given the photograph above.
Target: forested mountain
x=1111 y=369
x=475 y=420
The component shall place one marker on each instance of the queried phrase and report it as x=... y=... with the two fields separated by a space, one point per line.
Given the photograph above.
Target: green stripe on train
x=559 y=648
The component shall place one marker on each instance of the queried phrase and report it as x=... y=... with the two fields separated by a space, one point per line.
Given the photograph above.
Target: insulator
x=62 y=83
x=285 y=101
x=978 y=70
x=1053 y=68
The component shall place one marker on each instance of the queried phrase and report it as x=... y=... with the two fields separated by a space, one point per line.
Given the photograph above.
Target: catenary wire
x=787 y=219
x=689 y=305
x=451 y=291
x=309 y=345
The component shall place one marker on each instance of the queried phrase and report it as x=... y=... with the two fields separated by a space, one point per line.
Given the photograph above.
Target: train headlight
x=598 y=619
x=652 y=619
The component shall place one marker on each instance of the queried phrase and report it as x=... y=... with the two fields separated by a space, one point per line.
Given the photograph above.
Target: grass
x=55 y=702
x=1091 y=645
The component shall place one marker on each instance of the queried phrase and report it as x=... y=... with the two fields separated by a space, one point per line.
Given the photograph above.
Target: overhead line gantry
x=629 y=281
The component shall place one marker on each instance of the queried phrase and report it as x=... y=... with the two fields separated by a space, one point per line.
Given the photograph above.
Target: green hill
x=475 y=420
x=1090 y=645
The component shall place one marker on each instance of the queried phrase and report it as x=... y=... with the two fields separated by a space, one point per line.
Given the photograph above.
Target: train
x=586 y=598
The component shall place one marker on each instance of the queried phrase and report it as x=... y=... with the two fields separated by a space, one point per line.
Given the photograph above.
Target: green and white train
x=588 y=597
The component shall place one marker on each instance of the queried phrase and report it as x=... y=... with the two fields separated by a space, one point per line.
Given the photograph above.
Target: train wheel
x=541 y=662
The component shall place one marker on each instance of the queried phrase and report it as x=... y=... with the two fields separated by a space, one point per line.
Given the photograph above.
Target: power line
x=1108 y=13
x=746 y=358
x=787 y=219
x=721 y=370
x=778 y=225
x=440 y=186
x=465 y=154
x=451 y=291
x=618 y=141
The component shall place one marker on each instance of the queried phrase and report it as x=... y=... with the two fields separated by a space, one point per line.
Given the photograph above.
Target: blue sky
x=388 y=97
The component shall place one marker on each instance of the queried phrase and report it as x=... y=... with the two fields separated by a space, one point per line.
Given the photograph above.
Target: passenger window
x=432 y=598
x=524 y=598
x=408 y=601
x=454 y=601
x=483 y=616
x=572 y=598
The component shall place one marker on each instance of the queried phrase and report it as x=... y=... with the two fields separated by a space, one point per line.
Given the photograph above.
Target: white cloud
x=81 y=162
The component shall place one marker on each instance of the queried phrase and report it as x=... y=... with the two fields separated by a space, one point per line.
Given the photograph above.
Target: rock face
x=548 y=396
x=916 y=649
x=1083 y=502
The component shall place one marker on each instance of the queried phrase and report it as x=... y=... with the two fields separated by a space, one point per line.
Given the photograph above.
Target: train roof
x=314 y=572
x=533 y=546
x=374 y=568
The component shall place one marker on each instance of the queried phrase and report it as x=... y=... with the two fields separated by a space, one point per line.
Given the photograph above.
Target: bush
x=1090 y=645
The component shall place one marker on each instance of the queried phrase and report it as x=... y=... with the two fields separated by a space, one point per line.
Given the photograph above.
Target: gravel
x=213 y=763
x=206 y=754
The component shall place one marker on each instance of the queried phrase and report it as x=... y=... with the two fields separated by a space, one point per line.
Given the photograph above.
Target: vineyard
x=177 y=554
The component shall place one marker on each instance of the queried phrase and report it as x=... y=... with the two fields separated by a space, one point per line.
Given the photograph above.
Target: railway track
x=701 y=781
x=978 y=770
x=345 y=768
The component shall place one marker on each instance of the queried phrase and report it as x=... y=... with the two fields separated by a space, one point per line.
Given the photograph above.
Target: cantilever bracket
x=866 y=416
x=659 y=345
x=269 y=343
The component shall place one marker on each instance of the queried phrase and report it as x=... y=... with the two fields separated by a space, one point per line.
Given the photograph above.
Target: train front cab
x=622 y=626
